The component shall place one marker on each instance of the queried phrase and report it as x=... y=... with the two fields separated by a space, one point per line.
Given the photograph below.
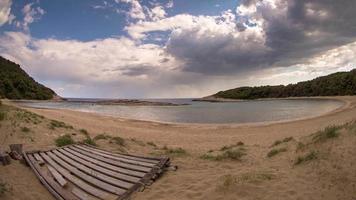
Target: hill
x=15 y=83
x=336 y=84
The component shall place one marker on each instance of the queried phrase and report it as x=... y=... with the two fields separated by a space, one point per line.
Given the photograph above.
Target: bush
x=176 y=151
x=3 y=188
x=64 y=140
x=235 y=154
x=308 y=157
x=152 y=144
x=285 y=140
x=274 y=152
x=224 y=148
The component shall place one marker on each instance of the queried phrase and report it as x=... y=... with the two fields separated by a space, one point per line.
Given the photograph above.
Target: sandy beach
x=255 y=176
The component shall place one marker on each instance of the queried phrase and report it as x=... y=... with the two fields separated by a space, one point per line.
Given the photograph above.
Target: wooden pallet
x=83 y=172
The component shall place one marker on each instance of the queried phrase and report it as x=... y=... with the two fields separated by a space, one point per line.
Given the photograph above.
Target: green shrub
x=3 y=188
x=118 y=140
x=64 y=140
x=176 y=151
x=308 y=157
x=274 y=152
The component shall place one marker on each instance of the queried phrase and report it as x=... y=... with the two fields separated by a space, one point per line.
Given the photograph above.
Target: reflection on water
x=206 y=112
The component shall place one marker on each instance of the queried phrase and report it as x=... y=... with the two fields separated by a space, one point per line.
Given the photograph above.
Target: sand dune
x=330 y=175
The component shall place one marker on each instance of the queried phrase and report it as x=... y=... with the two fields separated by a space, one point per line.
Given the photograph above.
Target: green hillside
x=337 y=84
x=17 y=84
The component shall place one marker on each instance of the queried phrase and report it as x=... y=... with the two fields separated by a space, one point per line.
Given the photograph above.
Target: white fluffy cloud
x=5 y=12
x=258 y=42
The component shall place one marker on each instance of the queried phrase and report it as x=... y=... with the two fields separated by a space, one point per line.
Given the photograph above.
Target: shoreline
x=328 y=177
x=343 y=99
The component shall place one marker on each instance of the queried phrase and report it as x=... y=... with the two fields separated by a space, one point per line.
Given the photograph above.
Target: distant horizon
x=140 y=49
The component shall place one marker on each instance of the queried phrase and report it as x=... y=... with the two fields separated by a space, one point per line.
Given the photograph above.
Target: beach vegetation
x=285 y=140
x=58 y=124
x=102 y=136
x=25 y=129
x=118 y=140
x=2 y=115
x=230 y=154
x=328 y=133
x=64 y=140
x=83 y=131
x=224 y=148
x=152 y=144
x=312 y=155
x=274 y=152
x=90 y=141
x=3 y=188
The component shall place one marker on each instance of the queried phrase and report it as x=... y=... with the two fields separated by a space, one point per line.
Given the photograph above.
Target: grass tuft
x=285 y=140
x=57 y=124
x=25 y=129
x=313 y=155
x=89 y=141
x=102 y=136
x=328 y=133
x=118 y=140
x=231 y=154
x=224 y=148
x=3 y=188
x=274 y=152
x=83 y=131
x=2 y=115
x=64 y=140
x=151 y=144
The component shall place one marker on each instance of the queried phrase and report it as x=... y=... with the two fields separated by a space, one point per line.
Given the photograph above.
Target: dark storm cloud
x=293 y=32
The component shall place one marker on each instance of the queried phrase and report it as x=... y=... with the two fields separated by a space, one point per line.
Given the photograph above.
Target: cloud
x=31 y=14
x=136 y=10
x=5 y=12
x=170 y=4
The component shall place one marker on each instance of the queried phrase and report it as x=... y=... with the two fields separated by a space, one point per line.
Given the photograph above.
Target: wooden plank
x=59 y=178
x=81 y=194
x=39 y=159
x=134 y=162
x=101 y=169
x=113 y=162
x=16 y=147
x=131 y=157
x=53 y=187
x=76 y=181
x=106 y=165
x=89 y=178
x=94 y=173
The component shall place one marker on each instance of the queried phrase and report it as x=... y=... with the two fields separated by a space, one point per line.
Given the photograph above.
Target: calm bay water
x=206 y=112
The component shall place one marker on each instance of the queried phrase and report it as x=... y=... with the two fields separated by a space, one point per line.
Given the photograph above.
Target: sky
x=175 y=48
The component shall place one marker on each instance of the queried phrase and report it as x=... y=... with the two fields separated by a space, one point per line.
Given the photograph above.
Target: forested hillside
x=337 y=84
x=17 y=84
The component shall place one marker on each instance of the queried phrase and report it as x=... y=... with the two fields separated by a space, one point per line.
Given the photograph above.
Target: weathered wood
x=106 y=165
x=16 y=147
x=131 y=157
x=76 y=181
x=58 y=177
x=39 y=159
x=90 y=179
x=101 y=169
x=94 y=173
x=114 y=162
x=88 y=173
x=81 y=194
x=14 y=155
x=48 y=182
